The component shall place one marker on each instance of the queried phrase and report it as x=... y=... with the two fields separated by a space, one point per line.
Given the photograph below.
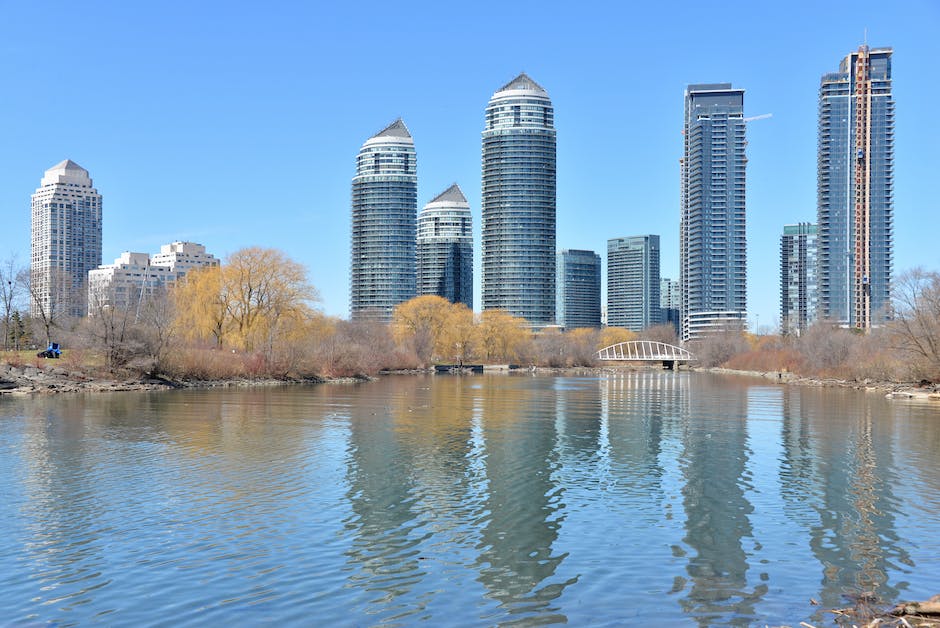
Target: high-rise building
x=798 y=288
x=519 y=202
x=579 y=289
x=65 y=242
x=135 y=277
x=670 y=301
x=384 y=215
x=445 y=247
x=855 y=196
x=712 y=238
x=633 y=299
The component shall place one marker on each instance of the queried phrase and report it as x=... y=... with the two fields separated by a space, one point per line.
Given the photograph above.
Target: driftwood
x=904 y=615
x=930 y=608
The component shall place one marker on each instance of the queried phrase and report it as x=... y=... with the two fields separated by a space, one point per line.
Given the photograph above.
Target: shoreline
x=19 y=381
x=53 y=379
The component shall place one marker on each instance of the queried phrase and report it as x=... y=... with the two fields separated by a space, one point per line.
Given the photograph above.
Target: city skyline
x=229 y=146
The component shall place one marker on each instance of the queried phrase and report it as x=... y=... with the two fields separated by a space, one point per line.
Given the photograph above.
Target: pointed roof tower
x=66 y=171
x=68 y=164
x=395 y=129
x=453 y=194
x=523 y=82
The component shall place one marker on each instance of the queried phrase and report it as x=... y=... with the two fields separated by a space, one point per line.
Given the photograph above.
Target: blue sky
x=235 y=124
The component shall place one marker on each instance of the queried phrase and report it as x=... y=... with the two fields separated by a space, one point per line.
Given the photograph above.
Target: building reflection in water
x=839 y=462
x=714 y=463
x=524 y=503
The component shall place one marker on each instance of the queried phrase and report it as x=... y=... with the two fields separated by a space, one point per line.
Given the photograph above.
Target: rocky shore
x=52 y=378
x=924 y=391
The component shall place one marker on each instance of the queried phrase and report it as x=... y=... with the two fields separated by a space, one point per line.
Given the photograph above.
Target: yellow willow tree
x=502 y=335
x=256 y=301
x=266 y=297
x=200 y=312
x=421 y=321
x=613 y=335
x=460 y=335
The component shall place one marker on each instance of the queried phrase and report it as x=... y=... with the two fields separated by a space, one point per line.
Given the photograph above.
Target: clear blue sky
x=235 y=124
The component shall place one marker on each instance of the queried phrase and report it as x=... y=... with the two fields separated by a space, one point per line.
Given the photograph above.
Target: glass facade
x=65 y=241
x=384 y=214
x=519 y=202
x=669 y=301
x=712 y=226
x=798 y=272
x=855 y=196
x=579 y=289
x=633 y=282
x=445 y=248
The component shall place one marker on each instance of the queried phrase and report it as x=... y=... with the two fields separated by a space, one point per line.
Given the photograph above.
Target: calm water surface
x=641 y=498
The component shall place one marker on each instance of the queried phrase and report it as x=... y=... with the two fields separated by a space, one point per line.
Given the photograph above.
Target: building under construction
x=855 y=199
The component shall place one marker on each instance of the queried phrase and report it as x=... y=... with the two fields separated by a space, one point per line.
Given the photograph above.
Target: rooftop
x=453 y=194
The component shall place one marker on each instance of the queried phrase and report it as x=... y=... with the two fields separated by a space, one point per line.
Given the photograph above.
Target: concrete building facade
x=633 y=299
x=712 y=225
x=855 y=195
x=384 y=223
x=579 y=289
x=65 y=241
x=518 y=206
x=798 y=277
x=135 y=277
x=445 y=247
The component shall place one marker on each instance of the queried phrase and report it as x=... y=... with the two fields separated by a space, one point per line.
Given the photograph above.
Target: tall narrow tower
x=65 y=242
x=855 y=196
x=712 y=225
x=384 y=214
x=445 y=247
x=519 y=202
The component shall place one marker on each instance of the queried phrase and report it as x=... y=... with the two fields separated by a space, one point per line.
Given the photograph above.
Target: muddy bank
x=892 y=390
x=53 y=378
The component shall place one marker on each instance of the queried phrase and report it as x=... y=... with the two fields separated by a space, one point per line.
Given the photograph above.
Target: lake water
x=641 y=498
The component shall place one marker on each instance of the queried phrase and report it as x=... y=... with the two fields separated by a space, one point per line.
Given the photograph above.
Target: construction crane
x=762 y=116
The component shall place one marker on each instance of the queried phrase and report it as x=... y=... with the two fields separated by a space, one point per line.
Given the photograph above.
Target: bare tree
x=665 y=333
x=916 y=326
x=719 y=347
x=49 y=313
x=10 y=289
x=108 y=324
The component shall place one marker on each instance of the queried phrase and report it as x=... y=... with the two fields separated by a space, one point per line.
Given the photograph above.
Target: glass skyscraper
x=712 y=238
x=798 y=283
x=445 y=247
x=633 y=299
x=65 y=241
x=519 y=202
x=579 y=289
x=384 y=210
x=855 y=196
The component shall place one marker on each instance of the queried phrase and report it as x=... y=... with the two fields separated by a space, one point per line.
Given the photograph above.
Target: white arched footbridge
x=645 y=351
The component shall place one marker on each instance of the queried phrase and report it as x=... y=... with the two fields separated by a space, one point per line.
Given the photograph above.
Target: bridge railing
x=645 y=351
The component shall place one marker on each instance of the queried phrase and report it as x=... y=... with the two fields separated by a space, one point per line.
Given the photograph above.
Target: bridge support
x=669 y=365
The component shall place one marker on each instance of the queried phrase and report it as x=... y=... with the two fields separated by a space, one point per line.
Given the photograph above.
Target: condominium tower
x=384 y=213
x=855 y=196
x=712 y=239
x=670 y=298
x=798 y=283
x=578 y=282
x=65 y=241
x=445 y=247
x=519 y=202
x=633 y=299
